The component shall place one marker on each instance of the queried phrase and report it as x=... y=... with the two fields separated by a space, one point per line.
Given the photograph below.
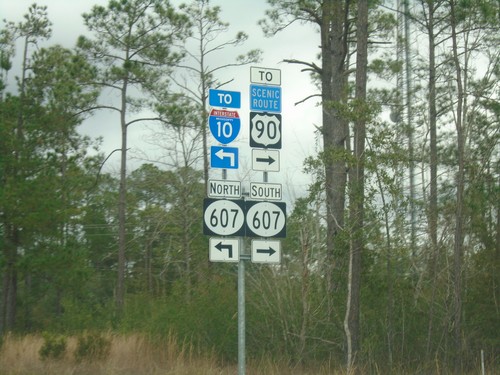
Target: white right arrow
x=221 y=155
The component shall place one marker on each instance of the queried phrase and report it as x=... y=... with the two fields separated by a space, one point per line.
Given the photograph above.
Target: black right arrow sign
x=266 y=251
x=269 y=251
x=265 y=160
x=269 y=160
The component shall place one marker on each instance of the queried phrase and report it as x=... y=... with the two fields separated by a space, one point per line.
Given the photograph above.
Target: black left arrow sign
x=220 y=246
x=269 y=251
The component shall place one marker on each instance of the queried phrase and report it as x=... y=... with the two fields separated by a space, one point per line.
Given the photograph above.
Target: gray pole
x=241 y=310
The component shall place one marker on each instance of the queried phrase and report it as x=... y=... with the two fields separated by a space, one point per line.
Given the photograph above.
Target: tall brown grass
x=129 y=355
x=132 y=354
x=137 y=354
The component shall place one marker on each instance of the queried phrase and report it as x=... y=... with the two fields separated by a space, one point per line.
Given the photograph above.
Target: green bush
x=53 y=347
x=92 y=346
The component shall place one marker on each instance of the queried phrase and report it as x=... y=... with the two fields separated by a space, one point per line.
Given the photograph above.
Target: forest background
x=392 y=254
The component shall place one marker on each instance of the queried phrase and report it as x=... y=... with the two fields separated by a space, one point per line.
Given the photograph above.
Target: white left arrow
x=221 y=154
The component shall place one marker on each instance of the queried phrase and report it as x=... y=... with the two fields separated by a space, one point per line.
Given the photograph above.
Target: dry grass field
x=140 y=355
x=128 y=355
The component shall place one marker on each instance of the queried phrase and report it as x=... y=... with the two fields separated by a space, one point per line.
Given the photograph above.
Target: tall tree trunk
x=433 y=207
x=335 y=129
x=9 y=287
x=356 y=184
x=459 y=210
x=12 y=232
x=122 y=205
x=305 y=244
x=410 y=130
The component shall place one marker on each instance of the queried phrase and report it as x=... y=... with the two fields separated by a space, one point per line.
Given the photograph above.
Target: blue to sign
x=224 y=99
x=224 y=125
x=265 y=98
x=224 y=157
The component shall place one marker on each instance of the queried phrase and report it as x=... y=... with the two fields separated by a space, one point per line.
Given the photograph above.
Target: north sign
x=266 y=251
x=265 y=160
x=224 y=157
x=265 y=130
x=265 y=98
x=224 y=99
x=265 y=219
x=224 y=125
x=224 y=189
x=224 y=249
x=223 y=217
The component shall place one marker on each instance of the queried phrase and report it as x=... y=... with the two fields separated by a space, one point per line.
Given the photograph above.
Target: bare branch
x=307 y=98
x=312 y=66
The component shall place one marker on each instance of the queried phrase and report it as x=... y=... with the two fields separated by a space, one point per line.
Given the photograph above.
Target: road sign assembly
x=226 y=215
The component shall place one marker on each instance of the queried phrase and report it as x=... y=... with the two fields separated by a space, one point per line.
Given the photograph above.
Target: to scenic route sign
x=224 y=249
x=265 y=130
x=266 y=251
x=224 y=99
x=265 y=219
x=265 y=98
x=223 y=217
x=265 y=160
x=224 y=125
x=224 y=157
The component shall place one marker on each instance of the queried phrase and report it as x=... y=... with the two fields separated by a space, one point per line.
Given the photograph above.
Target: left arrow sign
x=224 y=249
x=224 y=157
x=225 y=246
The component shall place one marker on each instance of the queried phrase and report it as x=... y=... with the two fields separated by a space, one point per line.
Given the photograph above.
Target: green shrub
x=53 y=347
x=92 y=346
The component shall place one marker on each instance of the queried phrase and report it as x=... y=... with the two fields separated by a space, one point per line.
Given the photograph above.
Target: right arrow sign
x=265 y=160
x=266 y=251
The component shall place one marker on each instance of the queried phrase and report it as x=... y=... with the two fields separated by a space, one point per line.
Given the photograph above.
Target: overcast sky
x=298 y=42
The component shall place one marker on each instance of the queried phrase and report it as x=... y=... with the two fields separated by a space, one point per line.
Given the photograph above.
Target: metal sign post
x=241 y=311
